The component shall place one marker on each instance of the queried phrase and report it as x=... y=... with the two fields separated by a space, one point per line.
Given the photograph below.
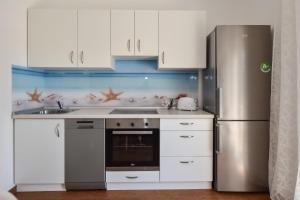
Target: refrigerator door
x=209 y=76
x=241 y=156
x=243 y=89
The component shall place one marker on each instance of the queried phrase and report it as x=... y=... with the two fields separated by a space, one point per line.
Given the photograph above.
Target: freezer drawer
x=241 y=156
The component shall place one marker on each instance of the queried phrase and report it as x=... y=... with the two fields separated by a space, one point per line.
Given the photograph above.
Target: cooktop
x=134 y=111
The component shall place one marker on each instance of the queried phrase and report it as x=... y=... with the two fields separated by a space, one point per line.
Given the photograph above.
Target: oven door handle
x=132 y=132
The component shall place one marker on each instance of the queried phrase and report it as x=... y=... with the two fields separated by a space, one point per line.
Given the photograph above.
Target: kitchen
x=142 y=98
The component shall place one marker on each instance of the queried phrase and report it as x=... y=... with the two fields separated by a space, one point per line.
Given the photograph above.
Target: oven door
x=132 y=149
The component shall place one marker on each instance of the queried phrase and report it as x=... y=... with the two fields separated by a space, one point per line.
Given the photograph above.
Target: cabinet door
x=94 y=38
x=146 y=33
x=182 y=39
x=122 y=32
x=39 y=151
x=52 y=38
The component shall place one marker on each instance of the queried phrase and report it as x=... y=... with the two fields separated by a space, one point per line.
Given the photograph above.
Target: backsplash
x=133 y=83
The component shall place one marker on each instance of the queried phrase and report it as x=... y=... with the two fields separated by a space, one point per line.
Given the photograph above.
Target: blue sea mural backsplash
x=133 y=83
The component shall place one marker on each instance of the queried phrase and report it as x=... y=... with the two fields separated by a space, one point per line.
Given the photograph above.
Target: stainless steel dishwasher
x=84 y=154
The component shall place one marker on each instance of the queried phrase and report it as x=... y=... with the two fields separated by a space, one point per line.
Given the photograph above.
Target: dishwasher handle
x=85 y=124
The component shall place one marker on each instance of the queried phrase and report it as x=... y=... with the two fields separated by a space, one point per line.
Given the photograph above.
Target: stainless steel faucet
x=60 y=105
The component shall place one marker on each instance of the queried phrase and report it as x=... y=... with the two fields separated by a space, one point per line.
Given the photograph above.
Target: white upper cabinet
x=182 y=39
x=52 y=38
x=94 y=38
x=146 y=33
x=89 y=38
x=122 y=32
x=134 y=33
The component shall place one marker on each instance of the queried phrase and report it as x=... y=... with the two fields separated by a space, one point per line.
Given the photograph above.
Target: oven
x=132 y=144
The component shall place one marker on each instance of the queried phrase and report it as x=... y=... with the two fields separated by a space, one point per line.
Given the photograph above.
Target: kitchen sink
x=44 y=111
x=52 y=111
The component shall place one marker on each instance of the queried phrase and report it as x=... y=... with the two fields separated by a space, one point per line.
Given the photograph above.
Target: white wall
x=13 y=43
x=219 y=11
x=12 y=50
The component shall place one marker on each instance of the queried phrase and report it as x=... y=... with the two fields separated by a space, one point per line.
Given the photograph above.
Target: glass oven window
x=132 y=149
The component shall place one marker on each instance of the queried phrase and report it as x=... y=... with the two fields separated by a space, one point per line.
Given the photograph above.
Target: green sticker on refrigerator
x=265 y=67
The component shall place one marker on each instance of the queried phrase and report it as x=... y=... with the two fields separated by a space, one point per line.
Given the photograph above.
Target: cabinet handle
x=128 y=45
x=139 y=45
x=186 y=136
x=131 y=177
x=186 y=123
x=186 y=162
x=163 y=57
x=57 y=130
x=81 y=57
x=71 y=57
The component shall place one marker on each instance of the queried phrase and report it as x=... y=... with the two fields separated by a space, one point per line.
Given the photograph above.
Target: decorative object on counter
x=81 y=88
x=170 y=106
x=187 y=103
x=181 y=95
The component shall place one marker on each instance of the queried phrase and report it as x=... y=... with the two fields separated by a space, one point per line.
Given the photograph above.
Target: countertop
x=105 y=113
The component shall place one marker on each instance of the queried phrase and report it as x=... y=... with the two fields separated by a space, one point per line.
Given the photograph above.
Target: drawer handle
x=186 y=123
x=131 y=177
x=186 y=136
x=186 y=162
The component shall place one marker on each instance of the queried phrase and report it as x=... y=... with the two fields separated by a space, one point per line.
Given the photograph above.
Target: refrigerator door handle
x=217 y=139
x=219 y=103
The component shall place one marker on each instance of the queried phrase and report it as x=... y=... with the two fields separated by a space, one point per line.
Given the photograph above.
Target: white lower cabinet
x=39 y=152
x=186 y=150
x=185 y=169
x=186 y=157
x=186 y=143
x=132 y=176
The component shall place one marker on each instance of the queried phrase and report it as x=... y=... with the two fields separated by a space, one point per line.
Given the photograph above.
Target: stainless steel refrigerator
x=237 y=87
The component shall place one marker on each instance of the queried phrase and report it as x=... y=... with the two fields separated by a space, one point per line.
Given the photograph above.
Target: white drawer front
x=186 y=169
x=186 y=124
x=186 y=143
x=132 y=176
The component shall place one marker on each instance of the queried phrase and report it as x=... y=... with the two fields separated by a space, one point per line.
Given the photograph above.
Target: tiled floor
x=141 y=195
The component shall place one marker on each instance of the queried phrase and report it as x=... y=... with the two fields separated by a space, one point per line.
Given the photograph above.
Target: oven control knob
x=132 y=124
x=146 y=124
x=118 y=124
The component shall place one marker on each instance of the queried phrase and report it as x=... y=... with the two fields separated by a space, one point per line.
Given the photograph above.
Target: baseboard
x=40 y=188
x=119 y=186
x=159 y=186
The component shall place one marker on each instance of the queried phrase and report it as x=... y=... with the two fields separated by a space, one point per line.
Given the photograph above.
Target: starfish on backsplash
x=110 y=95
x=35 y=95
